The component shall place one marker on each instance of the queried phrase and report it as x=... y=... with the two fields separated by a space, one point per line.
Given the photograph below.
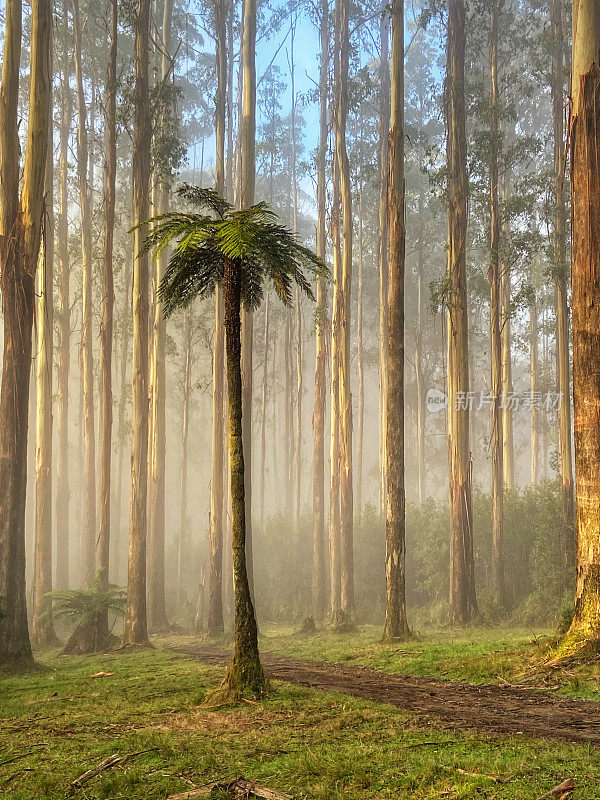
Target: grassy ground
x=57 y=722
x=476 y=655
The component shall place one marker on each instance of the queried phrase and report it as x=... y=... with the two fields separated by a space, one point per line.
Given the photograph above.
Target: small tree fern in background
x=83 y=608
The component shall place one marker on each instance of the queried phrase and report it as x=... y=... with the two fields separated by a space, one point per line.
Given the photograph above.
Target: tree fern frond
x=205 y=198
x=253 y=236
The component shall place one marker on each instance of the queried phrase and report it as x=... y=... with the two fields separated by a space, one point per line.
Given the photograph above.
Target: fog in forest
x=436 y=198
x=299 y=399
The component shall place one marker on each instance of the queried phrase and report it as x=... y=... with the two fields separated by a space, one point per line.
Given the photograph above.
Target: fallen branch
x=460 y=771
x=16 y=775
x=562 y=791
x=425 y=744
x=16 y=758
x=238 y=789
x=112 y=761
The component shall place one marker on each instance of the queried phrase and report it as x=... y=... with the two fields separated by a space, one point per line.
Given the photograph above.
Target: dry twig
x=560 y=792
x=112 y=761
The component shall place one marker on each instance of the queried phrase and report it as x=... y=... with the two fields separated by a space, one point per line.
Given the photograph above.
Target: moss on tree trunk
x=245 y=674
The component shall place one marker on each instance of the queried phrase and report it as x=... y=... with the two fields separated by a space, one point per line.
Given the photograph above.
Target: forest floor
x=483 y=708
x=58 y=721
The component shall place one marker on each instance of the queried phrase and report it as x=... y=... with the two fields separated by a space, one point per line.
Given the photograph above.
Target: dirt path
x=487 y=709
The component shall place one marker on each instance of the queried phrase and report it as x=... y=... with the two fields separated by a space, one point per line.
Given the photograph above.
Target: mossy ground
x=56 y=722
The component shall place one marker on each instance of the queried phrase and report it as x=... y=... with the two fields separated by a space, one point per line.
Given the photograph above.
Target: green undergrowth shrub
x=283 y=561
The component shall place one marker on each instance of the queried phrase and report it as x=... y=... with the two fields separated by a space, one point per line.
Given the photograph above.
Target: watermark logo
x=436 y=401
x=478 y=401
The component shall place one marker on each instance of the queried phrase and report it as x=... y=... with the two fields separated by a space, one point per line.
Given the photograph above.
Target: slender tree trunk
x=319 y=585
x=288 y=420
x=463 y=601
x=215 y=600
x=396 y=625
x=534 y=384
x=185 y=428
x=360 y=358
x=334 y=448
x=508 y=458
x=20 y=232
x=419 y=378
x=106 y=325
x=229 y=97
x=384 y=127
x=585 y=193
x=87 y=357
x=275 y=441
x=157 y=604
x=245 y=672
x=335 y=458
x=237 y=155
x=121 y=425
x=80 y=472
x=495 y=322
x=135 y=622
x=263 y=424
x=63 y=492
x=42 y=628
x=345 y=394
x=298 y=446
x=248 y=177
x=562 y=304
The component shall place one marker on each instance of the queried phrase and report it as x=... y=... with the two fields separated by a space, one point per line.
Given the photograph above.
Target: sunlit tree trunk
x=495 y=321
x=135 y=622
x=319 y=584
x=87 y=357
x=384 y=127
x=360 y=357
x=462 y=583
x=534 y=384
x=215 y=598
x=157 y=606
x=345 y=394
x=248 y=178
x=396 y=625
x=20 y=232
x=42 y=628
x=106 y=324
x=561 y=270
x=585 y=193
x=63 y=492
x=334 y=444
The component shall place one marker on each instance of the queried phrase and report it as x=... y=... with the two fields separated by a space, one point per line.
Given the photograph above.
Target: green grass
x=58 y=722
x=476 y=655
